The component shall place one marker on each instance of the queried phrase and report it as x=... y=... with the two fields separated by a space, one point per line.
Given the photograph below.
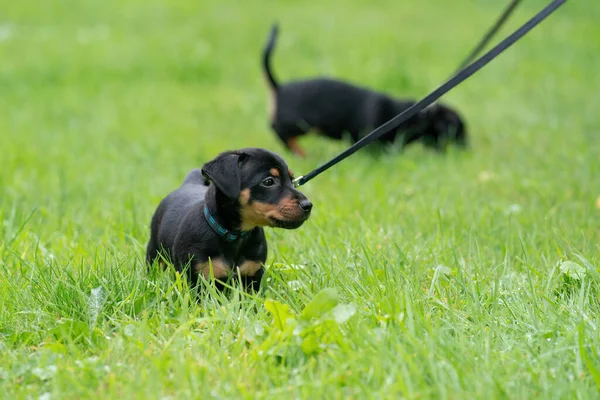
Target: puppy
x=335 y=109
x=216 y=230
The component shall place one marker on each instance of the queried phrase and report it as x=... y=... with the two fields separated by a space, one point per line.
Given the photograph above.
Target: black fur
x=180 y=232
x=336 y=109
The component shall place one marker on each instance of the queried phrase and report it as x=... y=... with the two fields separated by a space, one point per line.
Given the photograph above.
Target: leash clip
x=298 y=181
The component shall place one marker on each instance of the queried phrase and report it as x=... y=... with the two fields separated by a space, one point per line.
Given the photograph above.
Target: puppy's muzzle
x=306 y=206
x=294 y=213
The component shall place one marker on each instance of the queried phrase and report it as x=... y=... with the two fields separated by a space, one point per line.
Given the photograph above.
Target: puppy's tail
x=266 y=57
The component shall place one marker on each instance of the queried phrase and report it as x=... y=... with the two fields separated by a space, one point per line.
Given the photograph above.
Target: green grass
x=426 y=276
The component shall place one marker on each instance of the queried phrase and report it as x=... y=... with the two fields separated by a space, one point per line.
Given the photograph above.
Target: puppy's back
x=178 y=204
x=321 y=102
x=195 y=177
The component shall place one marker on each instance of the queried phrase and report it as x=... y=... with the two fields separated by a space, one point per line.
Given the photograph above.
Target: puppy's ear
x=224 y=173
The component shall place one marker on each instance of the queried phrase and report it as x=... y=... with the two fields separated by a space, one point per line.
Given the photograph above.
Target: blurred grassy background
x=106 y=105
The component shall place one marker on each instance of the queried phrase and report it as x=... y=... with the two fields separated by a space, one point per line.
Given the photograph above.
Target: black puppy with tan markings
x=335 y=109
x=212 y=225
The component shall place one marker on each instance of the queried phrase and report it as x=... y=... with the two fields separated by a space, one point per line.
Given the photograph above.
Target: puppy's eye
x=268 y=182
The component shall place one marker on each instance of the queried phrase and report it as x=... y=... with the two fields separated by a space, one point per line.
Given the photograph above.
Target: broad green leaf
x=281 y=313
x=572 y=270
x=310 y=344
x=70 y=330
x=324 y=301
x=343 y=312
x=56 y=347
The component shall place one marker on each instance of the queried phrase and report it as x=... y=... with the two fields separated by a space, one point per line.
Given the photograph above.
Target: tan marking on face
x=262 y=214
x=220 y=269
x=274 y=172
x=289 y=210
x=257 y=214
x=244 y=197
x=291 y=174
x=250 y=268
x=293 y=145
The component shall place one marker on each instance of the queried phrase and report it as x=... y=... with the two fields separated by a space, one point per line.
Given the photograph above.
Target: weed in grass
x=468 y=275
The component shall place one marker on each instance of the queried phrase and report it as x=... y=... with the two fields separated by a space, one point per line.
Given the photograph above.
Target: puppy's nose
x=305 y=205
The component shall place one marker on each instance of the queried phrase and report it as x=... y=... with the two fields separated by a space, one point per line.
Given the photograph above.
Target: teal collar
x=226 y=234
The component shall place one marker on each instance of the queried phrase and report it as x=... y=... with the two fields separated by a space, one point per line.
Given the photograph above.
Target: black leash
x=436 y=94
x=487 y=37
x=490 y=34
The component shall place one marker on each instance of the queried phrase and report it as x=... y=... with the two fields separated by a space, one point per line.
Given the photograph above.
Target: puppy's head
x=260 y=182
x=448 y=124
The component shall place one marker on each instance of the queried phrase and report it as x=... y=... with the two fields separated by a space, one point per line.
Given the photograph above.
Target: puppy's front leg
x=213 y=267
x=251 y=273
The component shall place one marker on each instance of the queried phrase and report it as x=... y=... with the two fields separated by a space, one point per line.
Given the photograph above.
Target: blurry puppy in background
x=336 y=109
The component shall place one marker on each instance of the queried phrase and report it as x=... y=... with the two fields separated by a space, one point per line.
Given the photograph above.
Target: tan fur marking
x=274 y=171
x=257 y=214
x=249 y=268
x=272 y=102
x=219 y=269
x=295 y=147
x=261 y=214
x=244 y=197
x=289 y=210
x=291 y=174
